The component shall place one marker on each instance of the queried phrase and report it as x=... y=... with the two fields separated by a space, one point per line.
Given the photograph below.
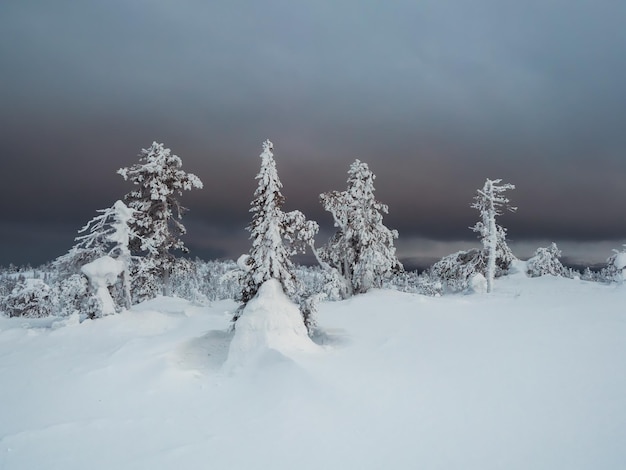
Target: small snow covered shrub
x=316 y=284
x=213 y=280
x=454 y=271
x=205 y=281
x=546 y=261
x=414 y=283
x=72 y=294
x=308 y=309
x=185 y=281
x=7 y=284
x=590 y=276
x=314 y=280
x=615 y=268
x=148 y=282
x=30 y=298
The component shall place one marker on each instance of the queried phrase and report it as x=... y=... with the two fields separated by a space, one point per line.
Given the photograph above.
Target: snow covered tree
x=455 y=271
x=615 y=270
x=490 y=202
x=156 y=226
x=30 y=298
x=103 y=274
x=73 y=295
x=362 y=250
x=107 y=234
x=275 y=235
x=121 y=235
x=416 y=283
x=546 y=261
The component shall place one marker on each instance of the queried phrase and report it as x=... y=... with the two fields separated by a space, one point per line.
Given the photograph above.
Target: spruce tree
x=275 y=235
x=546 y=261
x=362 y=250
x=157 y=227
x=106 y=235
x=490 y=202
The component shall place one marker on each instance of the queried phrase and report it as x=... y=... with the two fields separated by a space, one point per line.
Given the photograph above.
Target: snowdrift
x=269 y=328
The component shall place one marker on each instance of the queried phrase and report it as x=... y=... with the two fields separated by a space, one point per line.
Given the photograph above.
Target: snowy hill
x=530 y=377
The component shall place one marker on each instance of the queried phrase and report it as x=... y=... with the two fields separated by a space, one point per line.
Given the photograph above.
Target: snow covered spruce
x=156 y=225
x=102 y=254
x=276 y=236
x=362 y=250
x=490 y=202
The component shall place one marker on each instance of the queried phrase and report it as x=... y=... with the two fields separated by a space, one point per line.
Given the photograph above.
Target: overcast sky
x=435 y=95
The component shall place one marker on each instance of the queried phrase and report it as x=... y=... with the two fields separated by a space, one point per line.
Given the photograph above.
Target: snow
x=620 y=260
x=270 y=326
x=242 y=262
x=478 y=284
x=103 y=272
x=530 y=376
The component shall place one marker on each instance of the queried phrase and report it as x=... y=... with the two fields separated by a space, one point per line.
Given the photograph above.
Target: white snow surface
x=269 y=328
x=531 y=376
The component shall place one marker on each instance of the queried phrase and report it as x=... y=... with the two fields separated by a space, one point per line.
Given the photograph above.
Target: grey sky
x=434 y=95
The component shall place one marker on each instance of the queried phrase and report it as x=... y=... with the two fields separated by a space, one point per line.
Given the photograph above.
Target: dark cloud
x=435 y=96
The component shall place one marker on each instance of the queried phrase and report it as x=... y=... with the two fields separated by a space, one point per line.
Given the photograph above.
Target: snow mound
x=478 y=284
x=270 y=323
x=620 y=260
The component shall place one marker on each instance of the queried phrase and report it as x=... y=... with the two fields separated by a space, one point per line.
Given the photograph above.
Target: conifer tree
x=275 y=235
x=30 y=298
x=546 y=261
x=490 y=202
x=615 y=270
x=157 y=227
x=362 y=250
x=106 y=235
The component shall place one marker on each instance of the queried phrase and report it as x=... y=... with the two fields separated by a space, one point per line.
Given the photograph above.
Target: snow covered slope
x=530 y=377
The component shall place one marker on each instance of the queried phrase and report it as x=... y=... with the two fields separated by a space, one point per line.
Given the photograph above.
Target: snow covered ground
x=530 y=377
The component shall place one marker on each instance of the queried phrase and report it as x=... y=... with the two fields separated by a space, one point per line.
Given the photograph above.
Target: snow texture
x=528 y=377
